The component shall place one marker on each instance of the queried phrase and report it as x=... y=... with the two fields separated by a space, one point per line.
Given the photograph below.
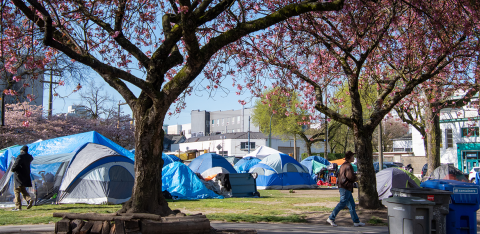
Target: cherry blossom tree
x=160 y=47
x=26 y=123
x=392 y=45
x=422 y=110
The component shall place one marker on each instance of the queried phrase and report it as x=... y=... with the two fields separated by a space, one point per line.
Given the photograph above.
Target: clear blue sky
x=198 y=101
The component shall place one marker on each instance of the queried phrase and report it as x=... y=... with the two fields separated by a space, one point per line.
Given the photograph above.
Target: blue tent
x=92 y=174
x=244 y=164
x=280 y=171
x=314 y=164
x=61 y=145
x=169 y=158
x=209 y=160
x=181 y=182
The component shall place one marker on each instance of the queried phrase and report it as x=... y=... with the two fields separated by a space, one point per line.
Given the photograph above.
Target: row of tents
x=90 y=168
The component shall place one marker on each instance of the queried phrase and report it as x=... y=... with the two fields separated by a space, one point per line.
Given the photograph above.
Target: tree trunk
x=308 y=145
x=147 y=191
x=433 y=138
x=367 y=188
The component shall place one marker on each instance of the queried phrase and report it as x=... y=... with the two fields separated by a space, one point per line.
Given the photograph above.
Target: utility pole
x=326 y=130
x=50 y=93
x=380 y=150
x=248 y=134
x=118 y=115
x=295 y=156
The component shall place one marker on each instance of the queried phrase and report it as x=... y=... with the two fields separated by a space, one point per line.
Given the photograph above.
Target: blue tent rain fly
x=244 y=164
x=209 y=160
x=182 y=183
x=280 y=171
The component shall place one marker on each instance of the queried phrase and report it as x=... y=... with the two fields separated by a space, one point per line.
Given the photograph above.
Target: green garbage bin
x=409 y=215
x=440 y=209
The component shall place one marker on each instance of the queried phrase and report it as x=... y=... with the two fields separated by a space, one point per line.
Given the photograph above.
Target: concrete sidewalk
x=261 y=228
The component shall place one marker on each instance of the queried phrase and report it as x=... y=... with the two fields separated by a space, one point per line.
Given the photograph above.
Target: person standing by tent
x=346 y=178
x=22 y=180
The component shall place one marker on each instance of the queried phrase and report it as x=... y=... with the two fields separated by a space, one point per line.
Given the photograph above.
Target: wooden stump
x=130 y=224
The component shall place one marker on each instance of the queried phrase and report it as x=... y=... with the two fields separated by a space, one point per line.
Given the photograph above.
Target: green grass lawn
x=272 y=206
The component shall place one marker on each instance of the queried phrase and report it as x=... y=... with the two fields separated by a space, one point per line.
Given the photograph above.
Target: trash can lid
x=462 y=192
x=427 y=191
x=409 y=201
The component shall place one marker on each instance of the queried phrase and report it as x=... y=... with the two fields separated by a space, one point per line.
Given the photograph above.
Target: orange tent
x=338 y=161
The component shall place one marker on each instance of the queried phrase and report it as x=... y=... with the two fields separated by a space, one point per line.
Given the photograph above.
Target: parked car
x=385 y=165
x=473 y=174
x=424 y=169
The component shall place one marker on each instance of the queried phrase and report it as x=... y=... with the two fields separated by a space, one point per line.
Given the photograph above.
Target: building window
x=238 y=119
x=470 y=132
x=238 y=129
x=228 y=121
x=244 y=145
x=449 y=139
x=223 y=122
x=218 y=122
x=213 y=122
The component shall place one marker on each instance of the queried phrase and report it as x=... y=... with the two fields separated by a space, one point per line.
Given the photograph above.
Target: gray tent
x=92 y=174
x=393 y=178
x=448 y=172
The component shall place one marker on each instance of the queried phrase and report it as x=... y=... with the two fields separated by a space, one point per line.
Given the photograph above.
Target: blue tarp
x=244 y=164
x=181 y=182
x=209 y=160
x=66 y=144
x=280 y=171
x=168 y=158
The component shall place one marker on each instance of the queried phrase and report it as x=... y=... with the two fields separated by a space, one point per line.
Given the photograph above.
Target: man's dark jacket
x=21 y=167
x=346 y=175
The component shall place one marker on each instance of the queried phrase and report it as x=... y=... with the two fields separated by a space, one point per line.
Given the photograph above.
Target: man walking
x=346 y=178
x=21 y=169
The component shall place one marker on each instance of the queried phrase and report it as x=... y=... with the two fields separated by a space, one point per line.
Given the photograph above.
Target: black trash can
x=440 y=209
x=409 y=215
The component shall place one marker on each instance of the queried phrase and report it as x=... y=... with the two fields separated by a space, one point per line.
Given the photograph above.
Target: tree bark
x=433 y=138
x=367 y=187
x=147 y=194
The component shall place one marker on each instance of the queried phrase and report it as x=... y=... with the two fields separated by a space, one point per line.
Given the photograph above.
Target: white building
x=236 y=144
x=460 y=136
x=78 y=111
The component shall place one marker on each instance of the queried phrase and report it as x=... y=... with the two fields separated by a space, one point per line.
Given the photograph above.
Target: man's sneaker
x=16 y=209
x=30 y=204
x=331 y=222
x=359 y=224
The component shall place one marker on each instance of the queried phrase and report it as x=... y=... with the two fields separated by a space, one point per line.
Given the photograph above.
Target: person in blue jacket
x=21 y=178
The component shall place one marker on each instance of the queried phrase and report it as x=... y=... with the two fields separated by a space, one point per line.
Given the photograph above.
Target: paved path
x=261 y=228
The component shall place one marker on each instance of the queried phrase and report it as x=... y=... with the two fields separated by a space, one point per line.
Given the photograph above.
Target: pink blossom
x=28 y=113
x=116 y=34
x=17 y=78
x=26 y=123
